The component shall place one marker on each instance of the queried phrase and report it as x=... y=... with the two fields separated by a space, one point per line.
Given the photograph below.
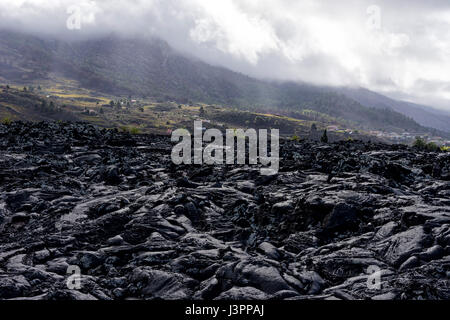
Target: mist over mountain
x=150 y=67
x=424 y=115
x=354 y=43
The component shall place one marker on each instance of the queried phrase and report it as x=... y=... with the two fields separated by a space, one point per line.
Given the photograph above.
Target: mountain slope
x=423 y=115
x=151 y=68
x=23 y=105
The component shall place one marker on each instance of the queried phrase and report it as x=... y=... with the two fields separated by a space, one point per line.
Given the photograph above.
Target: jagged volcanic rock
x=138 y=226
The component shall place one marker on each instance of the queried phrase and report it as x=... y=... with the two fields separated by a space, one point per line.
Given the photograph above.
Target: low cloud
x=388 y=46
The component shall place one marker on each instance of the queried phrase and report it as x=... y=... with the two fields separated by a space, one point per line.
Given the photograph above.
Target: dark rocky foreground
x=139 y=227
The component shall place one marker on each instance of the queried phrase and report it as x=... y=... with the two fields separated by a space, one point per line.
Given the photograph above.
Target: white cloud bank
x=388 y=46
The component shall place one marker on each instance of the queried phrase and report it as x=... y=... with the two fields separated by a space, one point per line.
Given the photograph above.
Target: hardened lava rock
x=347 y=220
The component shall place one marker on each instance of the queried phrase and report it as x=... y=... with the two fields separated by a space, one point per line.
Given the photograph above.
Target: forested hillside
x=150 y=68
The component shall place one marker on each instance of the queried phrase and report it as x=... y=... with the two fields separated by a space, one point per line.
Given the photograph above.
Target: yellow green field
x=144 y=115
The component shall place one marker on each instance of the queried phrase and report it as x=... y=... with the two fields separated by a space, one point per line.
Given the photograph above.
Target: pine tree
x=324 y=137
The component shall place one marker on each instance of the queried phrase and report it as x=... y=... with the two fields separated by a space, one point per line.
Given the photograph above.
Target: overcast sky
x=400 y=48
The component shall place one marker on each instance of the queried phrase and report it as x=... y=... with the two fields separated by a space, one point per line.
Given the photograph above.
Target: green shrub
x=324 y=138
x=130 y=129
x=422 y=145
x=6 y=120
x=135 y=130
x=432 y=146
x=419 y=143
